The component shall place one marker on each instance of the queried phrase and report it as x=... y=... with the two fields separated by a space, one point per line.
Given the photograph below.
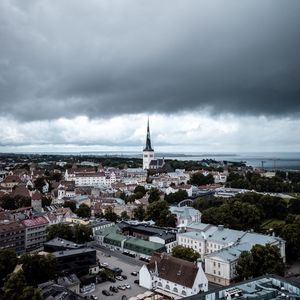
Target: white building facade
x=173 y=275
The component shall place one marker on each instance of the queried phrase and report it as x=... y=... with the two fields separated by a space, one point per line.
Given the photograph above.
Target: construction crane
x=262 y=164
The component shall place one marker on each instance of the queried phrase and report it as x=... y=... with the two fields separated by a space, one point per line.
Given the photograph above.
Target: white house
x=185 y=215
x=173 y=275
x=185 y=187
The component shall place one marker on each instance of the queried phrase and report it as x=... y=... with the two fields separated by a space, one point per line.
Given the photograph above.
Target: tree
x=185 y=253
x=244 y=267
x=159 y=212
x=16 y=287
x=46 y=201
x=234 y=214
x=176 y=197
x=139 y=213
x=71 y=205
x=83 y=211
x=39 y=183
x=63 y=231
x=38 y=268
x=258 y=261
x=199 y=179
x=110 y=215
x=124 y=215
x=291 y=234
x=8 y=261
x=140 y=189
x=154 y=195
x=82 y=234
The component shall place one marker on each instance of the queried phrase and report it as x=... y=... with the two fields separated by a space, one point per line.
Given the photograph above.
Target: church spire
x=148 y=140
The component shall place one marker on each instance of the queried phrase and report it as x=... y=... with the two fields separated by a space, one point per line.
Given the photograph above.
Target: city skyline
x=212 y=77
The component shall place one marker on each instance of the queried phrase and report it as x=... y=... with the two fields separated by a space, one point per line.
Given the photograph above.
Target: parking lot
x=128 y=265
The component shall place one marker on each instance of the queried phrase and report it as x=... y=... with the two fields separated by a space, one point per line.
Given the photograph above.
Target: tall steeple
x=148 y=139
x=148 y=152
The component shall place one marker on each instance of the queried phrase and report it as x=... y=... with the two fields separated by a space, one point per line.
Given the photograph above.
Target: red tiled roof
x=34 y=222
x=36 y=196
x=12 y=178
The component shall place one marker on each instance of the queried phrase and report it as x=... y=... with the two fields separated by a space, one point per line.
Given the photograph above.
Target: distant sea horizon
x=270 y=160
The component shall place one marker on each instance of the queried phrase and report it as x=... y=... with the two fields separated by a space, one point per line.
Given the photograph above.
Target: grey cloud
x=103 y=58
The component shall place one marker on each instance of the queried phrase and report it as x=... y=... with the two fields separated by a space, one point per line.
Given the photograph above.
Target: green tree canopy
x=16 y=287
x=124 y=215
x=140 y=189
x=82 y=234
x=71 y=205
x=77 y=234
x=176 y=197
x=139 y=213
x=83 y=211
x=110 y=215
x=154 y=195
x=38 y=268
x=258 y=261
x=159 y=212
x=63 y=231
x=199 y=179
x=235 y=215
x=8 y=261
x=185 y=253
x=291 y=234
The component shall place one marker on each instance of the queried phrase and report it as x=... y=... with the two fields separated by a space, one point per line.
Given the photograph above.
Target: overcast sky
x=212 y=75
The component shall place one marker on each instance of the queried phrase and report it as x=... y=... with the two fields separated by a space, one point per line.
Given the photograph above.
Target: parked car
x=94 y=297
x=119 y=278
x=111 y=279
x=104 y=264
x=113 y=289
x=122 y=287
x=137 y=281
x=106 y=293
x=134 y=273
x=128 y=286
x=124 y=276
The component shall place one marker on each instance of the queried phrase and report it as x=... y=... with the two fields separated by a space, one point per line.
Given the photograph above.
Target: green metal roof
x=142 y=243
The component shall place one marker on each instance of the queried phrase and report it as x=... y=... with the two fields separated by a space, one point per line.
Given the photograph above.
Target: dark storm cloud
x=103 y=58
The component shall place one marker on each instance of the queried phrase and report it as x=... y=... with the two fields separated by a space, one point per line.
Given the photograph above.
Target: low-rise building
x=100 y=224
x=12 y=236
x=185 y=215
x=173 y=275
x=59 y=244
x=150 y=233
x=221 y=247
x=270 y=287
x=77 y=261
x=35 y=232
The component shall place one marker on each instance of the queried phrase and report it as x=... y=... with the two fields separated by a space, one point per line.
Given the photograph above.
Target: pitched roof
x=36 y=196
x=174 y=269
x=35 y=222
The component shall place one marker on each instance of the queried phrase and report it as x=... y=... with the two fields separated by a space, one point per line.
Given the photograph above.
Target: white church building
x=149 y=161
x=173 y=275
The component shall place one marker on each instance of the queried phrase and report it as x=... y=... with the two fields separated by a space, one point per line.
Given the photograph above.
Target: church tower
x=148 y=152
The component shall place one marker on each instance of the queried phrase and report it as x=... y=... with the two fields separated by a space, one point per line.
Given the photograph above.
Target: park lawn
x=271 y=223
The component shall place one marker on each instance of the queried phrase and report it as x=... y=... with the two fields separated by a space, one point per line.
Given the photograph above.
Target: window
x=167 y=287
x=175 y=290
x=183 y=293
x=159 y=284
